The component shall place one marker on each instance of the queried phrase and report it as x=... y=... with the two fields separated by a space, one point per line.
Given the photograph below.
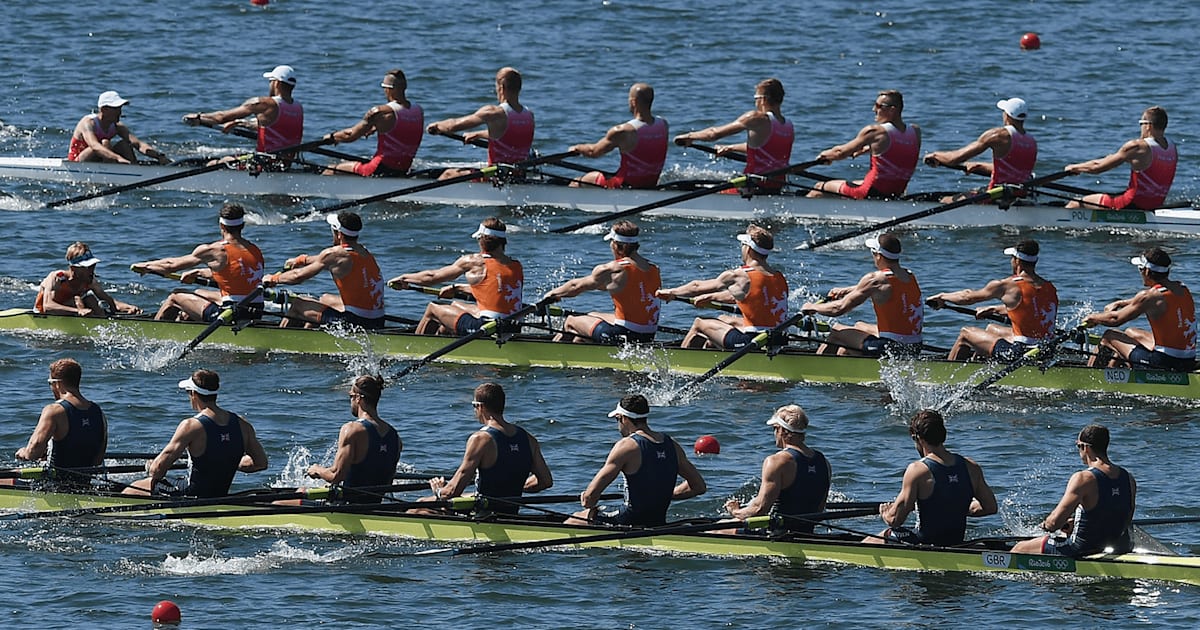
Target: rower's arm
x=49 y=306
x=895 y=513
x=255 y=457
x=174 y=449
x=693 y=484
x=42 y=433
x=616 y=138
x=311 y=267
x=539 y=475
x=1072 y=498
x=362 y=128
x=1125 y=312
x=993 y=290
x=256 y=107
x=859 y=145
x=848 y=301
x=201 y=255
x=601 y=278
x=618 y=457
x=1128 y=152
x=431 y=276
x=123 y=308
x=768 y=492
x=984 y=501
x=452 y=125
x=342 y=460
x=465 y=475
x=693 y=288
x=987 y=140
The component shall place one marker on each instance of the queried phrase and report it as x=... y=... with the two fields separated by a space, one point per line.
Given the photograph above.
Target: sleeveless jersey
x=902 y=318
x=765 y=304
x=362 y=288
x=86 y=431
x=514 y=144
x=1148 y=187
x=397 y=147
x=242 y=273
x=942 y=518
x=808 y=491
x=1017 y=165
x=212 y=472
x=64 y=293
x=648 y=491
x=1104 y=525
x=774 y=154
x=286 y=131
x=78 y=145
x=891 y=170
x=1033 y=319
x=641 y=167
x=502 y=289
x=1175 y=331
x=378 y=466
x=635 y=304
x=506 y=478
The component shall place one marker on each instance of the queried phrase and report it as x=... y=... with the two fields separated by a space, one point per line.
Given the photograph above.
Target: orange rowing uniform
x=65 y=292
x=1175 y=330
x=902 y=317
x=500 y=292
x=765 y=304
x=362 y=288
x=1033 y=319
x=635 y=304
x=242 y=273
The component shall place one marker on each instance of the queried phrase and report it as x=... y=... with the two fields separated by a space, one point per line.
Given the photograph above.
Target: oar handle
x=736 y=156
x=716 y=306
x=243 y=132
x=995 y=317
x=175 y=275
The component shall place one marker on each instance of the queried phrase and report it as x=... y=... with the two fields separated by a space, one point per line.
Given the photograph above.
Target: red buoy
x=165 y=612
x=707 y=445
x=1030 y=41
x=260 y=3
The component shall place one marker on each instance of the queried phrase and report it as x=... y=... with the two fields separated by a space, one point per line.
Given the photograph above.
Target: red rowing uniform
x=636 y=306
x=501 y=291
x=286 y=131
x=1148 y=187
x=890 y=170
x=396 y=149
x=641 y=166
x=78 y=144
x=514 y=144
x=774 y=154
x=1017 y=165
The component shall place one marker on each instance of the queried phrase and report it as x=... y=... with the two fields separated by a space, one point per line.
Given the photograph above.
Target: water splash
x=294 y=472
x=280 y=554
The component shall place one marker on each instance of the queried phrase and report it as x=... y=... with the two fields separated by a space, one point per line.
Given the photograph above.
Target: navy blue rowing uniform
x=506 y=477
x=212 y=472
x=808 y=491
x=376 y=469
x=1104 y=525
x=942 y=517
x=648 y=492
x=81 y=446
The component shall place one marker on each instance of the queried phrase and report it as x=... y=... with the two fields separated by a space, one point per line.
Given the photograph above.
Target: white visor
x=232 y=222
x=487 y=231
x=86 y=259
x=621 y=411
x=620 y=238
x=1012 y=251
x=1142 y=263
x=745 y=239
x=191 y=386
x=873 y=245
x=332 y=220
x=776 y=421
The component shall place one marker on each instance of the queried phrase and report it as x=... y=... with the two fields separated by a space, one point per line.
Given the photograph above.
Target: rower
x=218 y=442
x=896 y=298
x=769 y=137
x=359 y=301
x=1027 y=299
x=795 y=480
x=509 y=124
x=502 y=459
x=642 y=142
x=631 y=280
x=1097 y=508
x=277 y=117
x=398 y=126
x=1014 y=152
x=76 y=291
x=494 y=279
x=650 y=462
x=72 y=432
x=1152 y=159
x=1170 y=344
x=760 y=290
x=943 y=487
x=102 y=137
x=234 y=263
x=894 y=147
x=368 y=447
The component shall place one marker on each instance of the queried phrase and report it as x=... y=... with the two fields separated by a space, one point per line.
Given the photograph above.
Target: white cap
x=621 y=411
x=191 y=386
x=332 y=220
x=1014 y=107
x=873 y=245
x=86 y=259
x=1012 y=251
x=746 y=240
x=484 y=230
x=110 y=99
x=1142 y=263
x=620 y=238
x=284 y=74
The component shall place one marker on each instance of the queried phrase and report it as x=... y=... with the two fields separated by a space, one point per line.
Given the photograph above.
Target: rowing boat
x=379 y=520
x=789 y=364
x=591 y=199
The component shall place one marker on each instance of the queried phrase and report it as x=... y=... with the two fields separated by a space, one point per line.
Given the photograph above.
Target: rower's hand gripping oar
x=997 y=193
x=759 y=341
x=226 y=316
x=995 y=317
x=736 y=182
x=243 y=132
x=1073 y=190
x=483 y=144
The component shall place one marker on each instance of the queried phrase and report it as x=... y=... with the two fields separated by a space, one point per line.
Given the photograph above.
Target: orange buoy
x=1030 y=41
x=707 y=445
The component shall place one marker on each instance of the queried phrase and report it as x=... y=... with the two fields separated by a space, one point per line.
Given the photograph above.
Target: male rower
x=72 y=431
x=769 y=137
x=218 y=442
x=76 y=291
x=102 y=137
x=1097 y=508
x=896 y=298
x=795 y=480
x=894 y=147
x=359 y=301
x=630 y=279
x=944 y=489
x=502 y=459
x=398 y=126
x=1152 y=159
x=509 y=131
x=1170 y=344
x=368 y=447
x=234 y=263
x=494 y=279
x=278 y=118
x=1028 y=300
x=650 y=462
x=1014 y=151
x=642 y=142
x=760 y=290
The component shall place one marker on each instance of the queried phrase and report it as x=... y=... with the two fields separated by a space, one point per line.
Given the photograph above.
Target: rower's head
x=232 y=219
x=1015 y=111
x=367 y=389
x=492 y=235
x=1154 y=120
x=1024 y=255
x=623 y=236
x=81 y=260
x=489 y=399
x=632 y=413
x=65 y=374
x=202 y=386
x=927 y=426
x=790 y=424
x=1093 y=438
x=394 y=84
x=109 y=105
x=889 y=105
x=757 y=243
x=283 y=79
x=641 y=98
x=345 y=226
x=885 y=250
x=768 y=93
x=508 y=83
x=1155 y=265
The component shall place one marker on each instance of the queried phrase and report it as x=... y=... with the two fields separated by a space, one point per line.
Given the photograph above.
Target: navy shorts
x=468 y=324
x=612 y=334
x=624 y=515
x=1153 y=359
x=1006 y=350
x=874 y=346
x=330 y=315
x=248 y=312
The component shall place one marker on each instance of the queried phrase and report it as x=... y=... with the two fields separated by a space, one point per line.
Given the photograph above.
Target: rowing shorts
x=376 y=168
x=736 y=339
x=622 y=515
x=468 y=324
x=1156 y=360
x=330 y=315
x=612 y=334
x=1006 y=350
x=874 y=346
x=1052 y=546
x=864 y=191
x=253 y=312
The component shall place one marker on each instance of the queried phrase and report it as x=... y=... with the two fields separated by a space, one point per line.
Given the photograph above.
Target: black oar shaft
x=226 y=316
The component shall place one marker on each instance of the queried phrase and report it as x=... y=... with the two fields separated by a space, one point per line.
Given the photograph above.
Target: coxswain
x=894 y=146
x=102 y=137
x=368 y=448
x=76 y=291
x=398 y=126
x=277 y=118
x=1152 y=159
x=509 y=131
x=1014 y=150
x=72 y=431
x=642 y=142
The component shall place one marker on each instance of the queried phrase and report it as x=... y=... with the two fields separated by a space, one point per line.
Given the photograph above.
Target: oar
x=224 y=317
x=1166 y=521
x=242 y=132
x=486 y=171
x=483 y=144
x=996 y=317
x=558 y=311
x=992 y=193
x=112 y=190
x=1074 y=190
x=487 y=328
x=139 y=506
x=40 y=472
x=736 y=182
x=757 y=342
x=1029 y=356
x=716 y=306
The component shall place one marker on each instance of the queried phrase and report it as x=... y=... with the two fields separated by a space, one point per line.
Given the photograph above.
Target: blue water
x=1101 y=64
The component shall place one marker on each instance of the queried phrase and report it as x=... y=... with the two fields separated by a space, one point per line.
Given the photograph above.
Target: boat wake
x=280 y=554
